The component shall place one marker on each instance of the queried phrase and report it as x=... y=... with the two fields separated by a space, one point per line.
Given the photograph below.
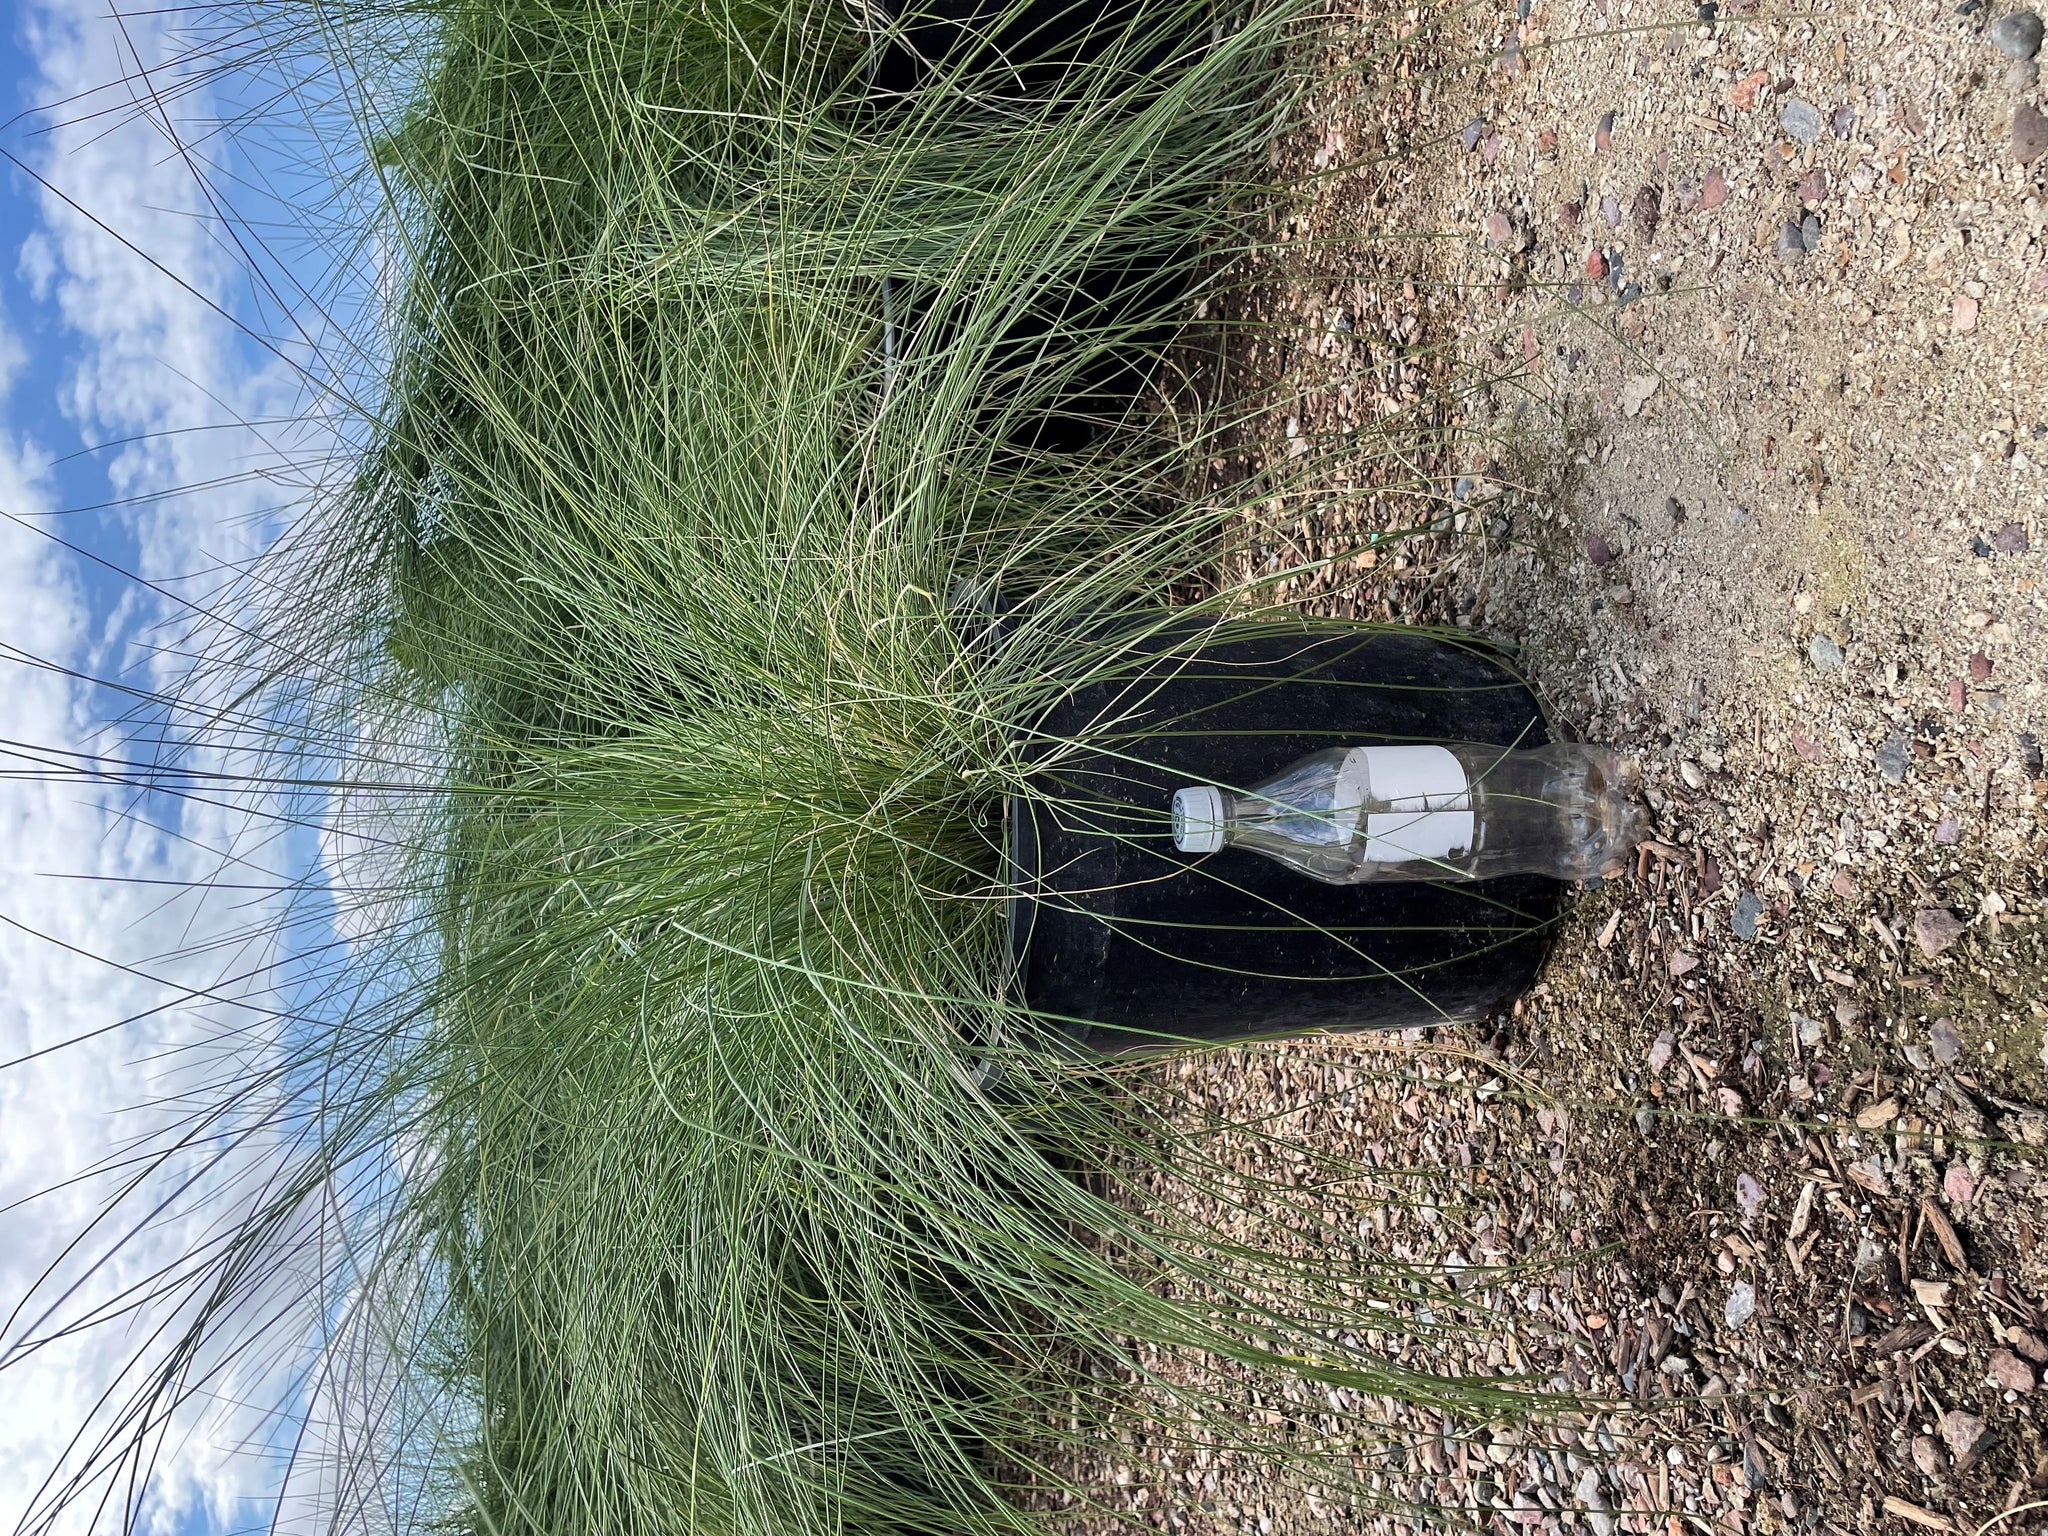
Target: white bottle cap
x=1198 y=818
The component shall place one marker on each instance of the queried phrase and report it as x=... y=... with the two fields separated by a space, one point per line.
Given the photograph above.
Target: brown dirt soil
x=1776 y=520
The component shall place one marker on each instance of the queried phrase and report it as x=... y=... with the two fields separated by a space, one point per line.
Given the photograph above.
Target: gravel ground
x=1721 y=391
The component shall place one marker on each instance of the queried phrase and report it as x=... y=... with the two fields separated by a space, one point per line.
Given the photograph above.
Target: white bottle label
x=1415 y=801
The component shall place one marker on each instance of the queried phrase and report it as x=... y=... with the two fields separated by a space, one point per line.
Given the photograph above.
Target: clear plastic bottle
x=1353 y=814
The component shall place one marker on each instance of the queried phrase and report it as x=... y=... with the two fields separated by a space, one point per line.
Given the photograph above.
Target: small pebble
x=1948 y=832
x=1843 y=123
x=2028 y=1344
x=1811 y=1030
x=1946 y=1043
x=1610 y=210
x=1474 y=132
x=1928 y=1456
x=1603 y=136
x=1741 y=1304
x=1714 y=190
x=1965 y=316
x=1749 y=911
x=1809 y=232
x=1980 y=667
x=1646 y=1119
x=2011 y=1372
x=1749 y=1194
x=1743 y=93
x=1824 y=653
x=1959 y=1185
x=1791 y=243
x=1800 y=119
x=1596 y=264
x=1980 y=548
x=1894 y=757
x=1962 y=1431
x=1813 y=187
x=1935 y=930
x=1647 y=208
x=1498 y=230
x=2011 y=540
x=1598 y=550
x=2017 y=34
x=2029 y=134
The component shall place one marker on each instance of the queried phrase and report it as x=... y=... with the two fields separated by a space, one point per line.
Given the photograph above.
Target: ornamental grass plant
x=681 y=1161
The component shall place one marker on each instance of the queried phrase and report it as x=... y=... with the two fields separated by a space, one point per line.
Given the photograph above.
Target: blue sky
x=140 y=427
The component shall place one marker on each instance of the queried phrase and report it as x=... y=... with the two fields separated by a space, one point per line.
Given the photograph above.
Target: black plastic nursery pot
x=1128 y=944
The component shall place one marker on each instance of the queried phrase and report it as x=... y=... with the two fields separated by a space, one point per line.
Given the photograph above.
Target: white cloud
x=65 y=1112
x=13 y=356
x=145 y=359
